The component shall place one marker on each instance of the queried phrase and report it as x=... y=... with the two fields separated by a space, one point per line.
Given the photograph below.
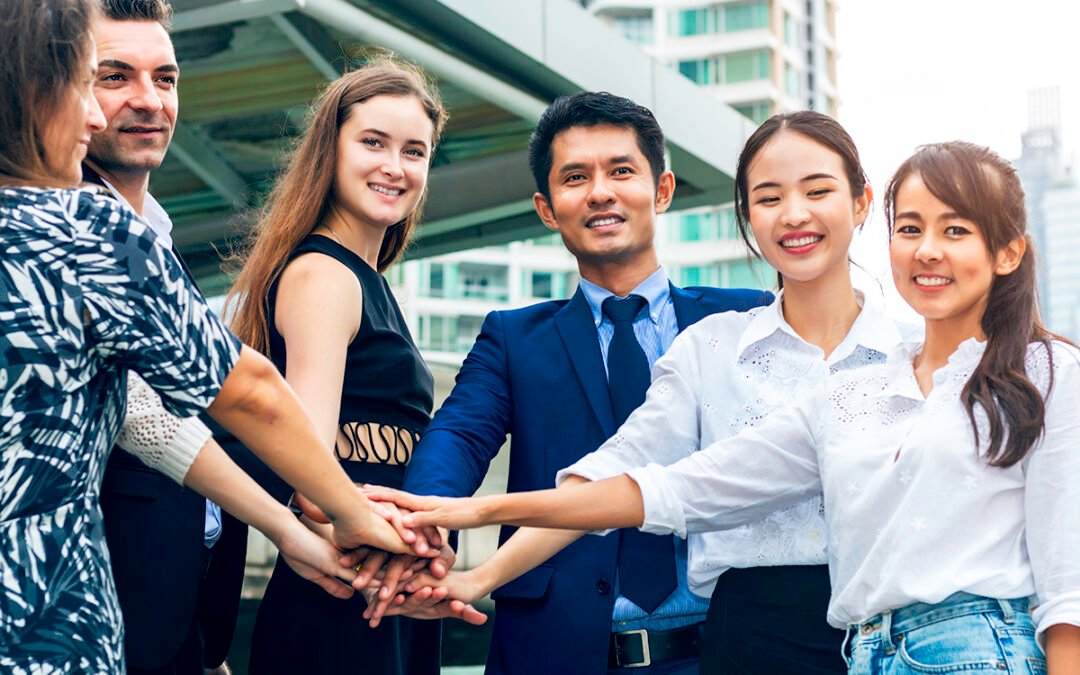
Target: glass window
x=749 y=274
x=690 y=227
x=791 y=31
x=541 y=285
x=691 y=276
x=791 y=80
x=637 y=28
x=436 y=280
x=739 y=67
x=468 y=327
x=758 y=112
x=746 y=16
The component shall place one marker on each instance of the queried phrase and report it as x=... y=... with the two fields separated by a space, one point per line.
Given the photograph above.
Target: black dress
x=299 y=628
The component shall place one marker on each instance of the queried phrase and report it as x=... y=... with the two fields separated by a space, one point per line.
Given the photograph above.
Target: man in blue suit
x=541 y=374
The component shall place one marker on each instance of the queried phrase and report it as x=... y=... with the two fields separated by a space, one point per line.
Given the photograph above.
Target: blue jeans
x=962 y=634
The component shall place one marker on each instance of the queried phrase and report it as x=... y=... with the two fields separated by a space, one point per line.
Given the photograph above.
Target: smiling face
x=604 y=200
x=801 y=208
x=136 y=87
x=67 y=133
x=384 y=150
x=940 y=262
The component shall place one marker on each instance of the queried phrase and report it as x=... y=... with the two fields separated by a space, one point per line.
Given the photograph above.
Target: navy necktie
x=646 y=561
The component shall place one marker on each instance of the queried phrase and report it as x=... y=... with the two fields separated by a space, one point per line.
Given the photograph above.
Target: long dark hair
x=815 y=126
x=302 y=195
x=985 y=189
x=46 y=46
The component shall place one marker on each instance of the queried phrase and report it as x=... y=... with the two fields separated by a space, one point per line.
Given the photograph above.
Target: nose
x=795 y=212
x=145 y=98
x=600 y=192
x=95 y=118
x=392 y=166
x=929 y=249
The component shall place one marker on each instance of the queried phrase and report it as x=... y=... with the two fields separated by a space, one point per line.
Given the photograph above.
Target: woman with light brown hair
x=312 y=297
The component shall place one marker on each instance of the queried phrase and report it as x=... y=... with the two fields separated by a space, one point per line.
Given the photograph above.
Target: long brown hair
x=301 y=198
x=983 y=188
x=46 y=47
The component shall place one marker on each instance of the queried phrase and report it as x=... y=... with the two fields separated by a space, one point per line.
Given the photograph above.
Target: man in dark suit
x=162 y=537
x=555 y=377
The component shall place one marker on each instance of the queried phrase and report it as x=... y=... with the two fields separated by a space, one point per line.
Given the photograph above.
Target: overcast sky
x=920 y=71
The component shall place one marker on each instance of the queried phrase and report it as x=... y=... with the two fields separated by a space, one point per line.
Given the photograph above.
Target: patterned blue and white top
x=87 y=292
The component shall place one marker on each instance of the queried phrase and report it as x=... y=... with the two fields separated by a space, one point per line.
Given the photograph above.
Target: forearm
x=526 y=549
x=1063 y=649
x=599 y=505
x=258 y=407
x=218 y=478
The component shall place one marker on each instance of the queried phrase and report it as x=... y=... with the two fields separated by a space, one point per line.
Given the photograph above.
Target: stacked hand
x=384 y=552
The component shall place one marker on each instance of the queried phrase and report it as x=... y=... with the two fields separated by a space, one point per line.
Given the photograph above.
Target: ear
x=862 y=205
x=544 y=210
x=1009 y=256
x=665 y=191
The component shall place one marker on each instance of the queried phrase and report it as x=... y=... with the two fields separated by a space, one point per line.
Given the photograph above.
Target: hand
x=466 y=586
x=450 y=513
x=370 y=527
x=426 y=604
x=422 y=542
x=400 y=569
x=314 y=559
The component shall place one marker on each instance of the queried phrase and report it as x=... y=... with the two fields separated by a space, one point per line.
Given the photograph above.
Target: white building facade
x=760 y=57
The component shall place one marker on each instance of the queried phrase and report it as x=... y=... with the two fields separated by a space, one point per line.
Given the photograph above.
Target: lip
x=140 y=131
x=607 y=215
x=817 y=237
x=386 y=186
x=926 y=288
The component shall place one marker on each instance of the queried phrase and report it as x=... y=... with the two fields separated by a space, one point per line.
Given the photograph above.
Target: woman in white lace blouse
x=951 y=473
x=801 y=189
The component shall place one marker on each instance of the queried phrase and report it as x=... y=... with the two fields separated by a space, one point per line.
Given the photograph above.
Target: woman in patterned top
x=87 y=293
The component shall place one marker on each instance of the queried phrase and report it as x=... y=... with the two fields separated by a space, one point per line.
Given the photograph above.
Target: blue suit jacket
x=537 y=374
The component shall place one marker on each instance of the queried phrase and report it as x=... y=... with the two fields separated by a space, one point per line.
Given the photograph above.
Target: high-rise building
x=758 y=56
x=1053 y=206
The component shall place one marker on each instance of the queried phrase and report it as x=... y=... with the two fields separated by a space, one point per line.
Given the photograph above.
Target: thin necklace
x=334 y=234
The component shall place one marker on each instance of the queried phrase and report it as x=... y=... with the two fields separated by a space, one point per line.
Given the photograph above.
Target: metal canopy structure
x=250 y=69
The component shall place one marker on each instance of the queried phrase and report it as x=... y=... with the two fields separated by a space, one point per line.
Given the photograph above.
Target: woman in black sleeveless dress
x=315 y=301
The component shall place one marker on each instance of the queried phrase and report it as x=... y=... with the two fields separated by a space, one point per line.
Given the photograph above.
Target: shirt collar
x=655 y=289
x=153 y=214
x=872 y=329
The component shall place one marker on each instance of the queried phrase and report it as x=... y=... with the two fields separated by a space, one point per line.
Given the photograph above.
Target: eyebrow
x=124 y=65
x=382 y=134
x=915 y=215
x=804 y=179
x=579 y=166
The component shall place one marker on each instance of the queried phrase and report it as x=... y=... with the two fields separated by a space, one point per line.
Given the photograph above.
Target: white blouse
x=914 y=511
x=721 y=375
x=155 y=436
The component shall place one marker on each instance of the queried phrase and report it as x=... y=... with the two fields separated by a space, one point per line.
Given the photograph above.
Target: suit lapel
x=578 y=332
x=688 y=306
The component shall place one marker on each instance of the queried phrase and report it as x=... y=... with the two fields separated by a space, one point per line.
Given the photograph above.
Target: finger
x=433 y=536
x=334 y=587
x=438 y=567
x=354 y=557
x=421 y=580
x=309 y=508
x=392 y=576
x=369 y=568
x=468 y=613
x=438 y=594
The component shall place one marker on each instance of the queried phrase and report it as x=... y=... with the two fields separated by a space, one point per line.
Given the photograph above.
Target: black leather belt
x=641 y=648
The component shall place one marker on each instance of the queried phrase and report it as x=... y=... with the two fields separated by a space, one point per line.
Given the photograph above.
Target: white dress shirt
x=725 y=373
x=914 y=511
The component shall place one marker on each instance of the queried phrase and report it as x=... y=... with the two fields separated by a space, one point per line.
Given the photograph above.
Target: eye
x=768 y=200
x=819 y=192
x=956 y=231
x=623 y=171
x=415 y=152
x=111 y=77
x=574 y=177
x=371 y=141
x=169 y=80
x=908 y=229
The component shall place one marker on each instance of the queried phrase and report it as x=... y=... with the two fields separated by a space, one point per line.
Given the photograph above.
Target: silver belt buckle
x=646 y=658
